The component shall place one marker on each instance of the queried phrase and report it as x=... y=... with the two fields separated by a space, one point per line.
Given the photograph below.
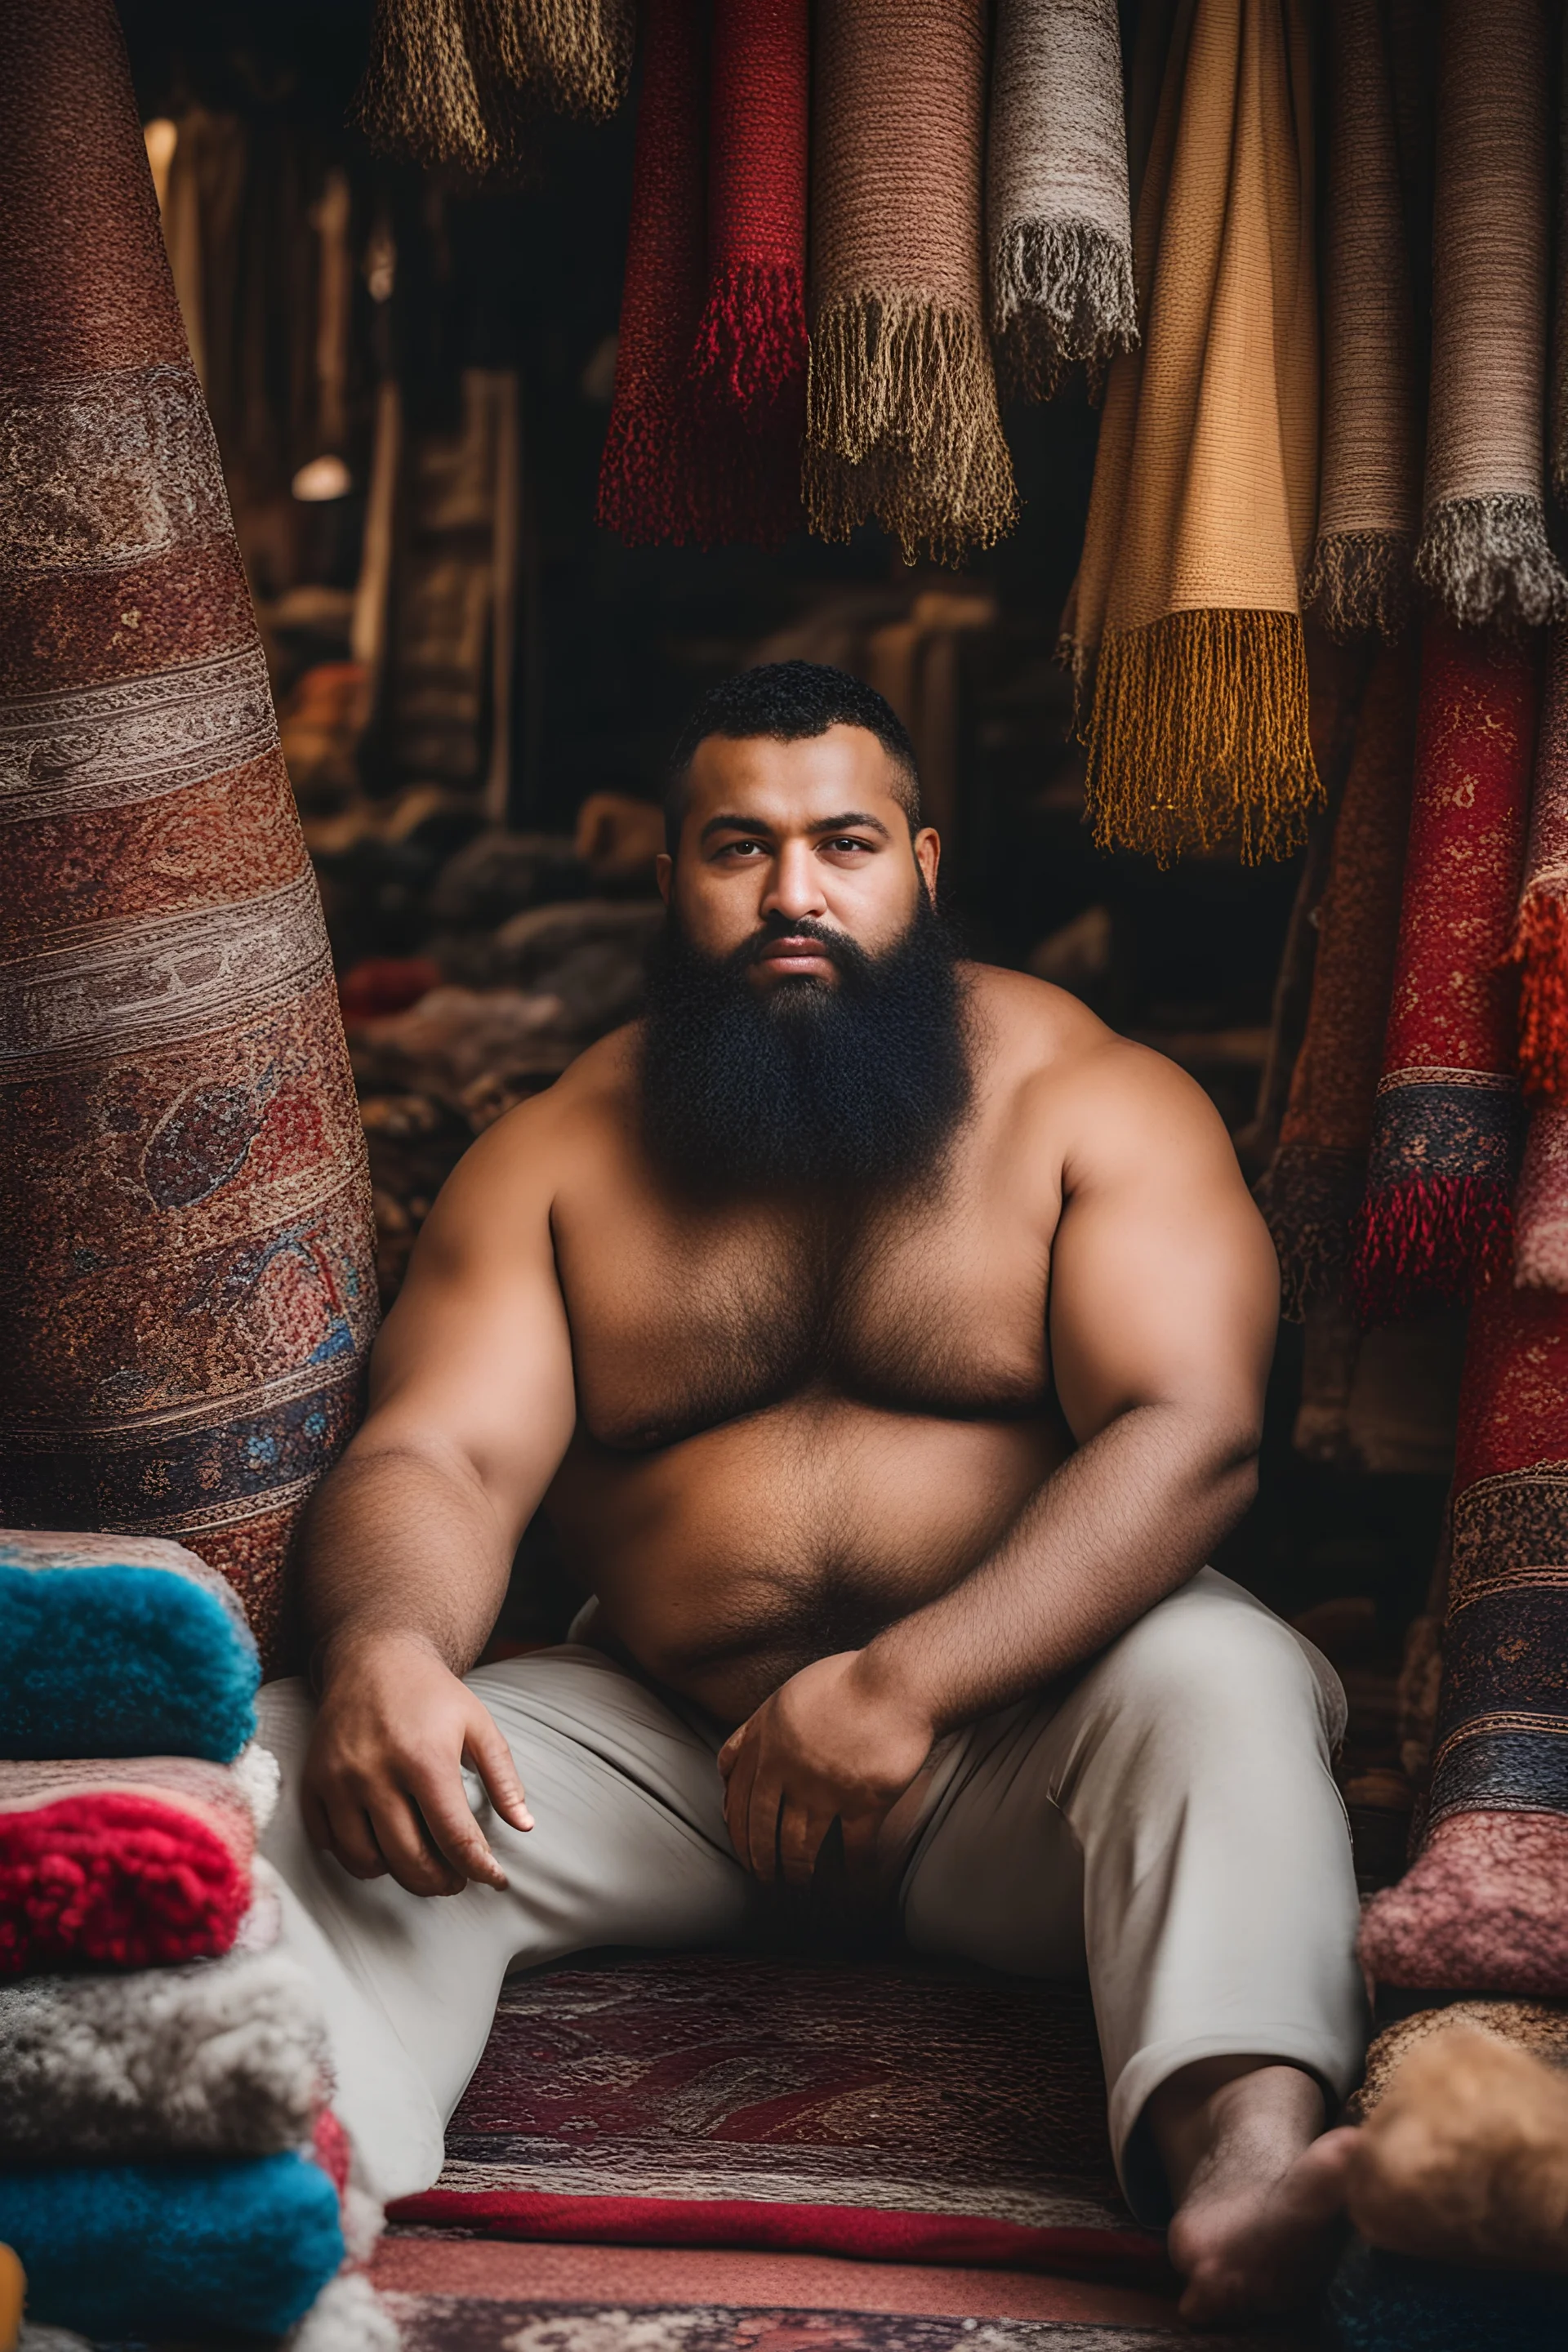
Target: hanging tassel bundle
x=1485 y=1908
x=1369 y=504
x=1187 y=605
x=647 y=473
x=1435 y=1222
x=903 y=420
x=1315 y=1182
x=1484 y=548
x=750 y=359
x=1540 y=929
x=1058 y=217
x=449 y=81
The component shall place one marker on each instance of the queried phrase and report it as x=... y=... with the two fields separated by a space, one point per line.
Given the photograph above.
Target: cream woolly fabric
x=1483 y=537
x=1370 y=502
x=1058 y=217
x=1187 y=605
x=901 y=413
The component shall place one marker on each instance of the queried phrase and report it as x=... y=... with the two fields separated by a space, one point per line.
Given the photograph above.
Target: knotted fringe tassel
x=1063 y=292
x=1489 y=560
x=902 y=424
x=1197 y=735
x=751 y=340
x=448 y=80
x=644 y=470
x=1309 y=1196
x=1428 y=1242
x=1360 y=580
x=1540 y=948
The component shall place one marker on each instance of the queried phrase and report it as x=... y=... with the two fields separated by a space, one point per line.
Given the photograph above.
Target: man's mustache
x=839 y=949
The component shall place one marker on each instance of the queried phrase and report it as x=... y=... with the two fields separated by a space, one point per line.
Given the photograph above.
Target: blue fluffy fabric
x=1390 y=2303
x=120 y=1660
x=151 y=2250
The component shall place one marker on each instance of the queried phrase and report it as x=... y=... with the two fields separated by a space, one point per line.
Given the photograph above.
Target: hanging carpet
x=712 y=2099
x=1484 y=548
x=1485 y=1906
x=1445 y=1129
x=1186 y=610
x=902 y=421
x=186 y=1249
x=1059 y=222
x=1369 y=505
x=1541 y=931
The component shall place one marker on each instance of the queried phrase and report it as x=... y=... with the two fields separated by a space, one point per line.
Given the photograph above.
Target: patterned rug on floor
x=902 y=2113
x=467 y=2324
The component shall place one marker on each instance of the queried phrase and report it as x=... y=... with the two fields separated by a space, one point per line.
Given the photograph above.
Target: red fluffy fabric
x=1435 y=1222
x=646 y=476
x=115 y=1880
x=749 y=364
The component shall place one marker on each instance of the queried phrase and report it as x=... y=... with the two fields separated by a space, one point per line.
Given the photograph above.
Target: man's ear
x=663 y=873
x=928 y=858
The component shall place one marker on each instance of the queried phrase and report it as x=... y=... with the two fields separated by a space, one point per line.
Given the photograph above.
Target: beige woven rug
x=902 y=421
x=1483 y=538
x=1187 y=605
x=1058 y=218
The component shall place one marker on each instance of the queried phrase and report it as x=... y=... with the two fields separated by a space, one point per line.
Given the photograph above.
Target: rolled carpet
x=1540 y=945
x=1186 y=609
x=120 y=1646
x=221 y=2058
x=1484 y=1908
x=750 y=357
x=647 y=489
x=1484 y=550
x=186 y=1252
x=1540 y=1201
x=1435 y=1222
x=1528 y=2025
x=1059 y=216
x=183 y=2250
x=903 y=420
x=1558 y=467
x=1370 y=501
x=127 y=1864
x=1315 y=1181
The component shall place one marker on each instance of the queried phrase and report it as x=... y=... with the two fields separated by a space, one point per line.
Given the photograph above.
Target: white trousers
x=1166 y=1824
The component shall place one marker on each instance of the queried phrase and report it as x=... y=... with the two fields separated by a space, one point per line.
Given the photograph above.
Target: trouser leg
x=628 y=1846
x=1172 y=1826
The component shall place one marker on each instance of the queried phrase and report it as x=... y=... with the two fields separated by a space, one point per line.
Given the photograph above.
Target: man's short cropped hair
x=790 y=700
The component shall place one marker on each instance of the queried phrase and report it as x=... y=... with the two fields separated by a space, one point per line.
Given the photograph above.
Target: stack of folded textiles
x=169 y=2164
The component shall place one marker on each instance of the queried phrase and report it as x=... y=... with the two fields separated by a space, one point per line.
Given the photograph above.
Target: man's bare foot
x=1259 y=2186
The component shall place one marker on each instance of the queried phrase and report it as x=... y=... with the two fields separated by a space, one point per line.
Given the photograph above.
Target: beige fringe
x=449 y=80
x=1361 y=579
x=1198 y=736
x=1062 y=292
x=902 y=423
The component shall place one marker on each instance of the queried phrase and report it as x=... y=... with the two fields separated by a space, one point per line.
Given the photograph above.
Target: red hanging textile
x=647 y=472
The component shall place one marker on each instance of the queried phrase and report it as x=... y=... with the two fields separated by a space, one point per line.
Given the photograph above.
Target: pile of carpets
x=170 y=2164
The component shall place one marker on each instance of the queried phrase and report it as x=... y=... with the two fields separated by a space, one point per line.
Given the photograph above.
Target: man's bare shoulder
x=1065 y=1072
x=535 y=1149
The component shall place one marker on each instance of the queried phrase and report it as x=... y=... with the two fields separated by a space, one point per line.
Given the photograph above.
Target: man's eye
x=848 y=843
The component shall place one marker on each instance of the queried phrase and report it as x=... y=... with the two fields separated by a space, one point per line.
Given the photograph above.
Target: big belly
x=724 y=1563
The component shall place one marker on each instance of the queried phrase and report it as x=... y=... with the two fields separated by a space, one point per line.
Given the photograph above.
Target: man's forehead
x=795 y=782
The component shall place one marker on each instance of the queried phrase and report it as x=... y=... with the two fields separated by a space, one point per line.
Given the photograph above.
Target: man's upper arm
x=474 y=1361
x=1164 y=1286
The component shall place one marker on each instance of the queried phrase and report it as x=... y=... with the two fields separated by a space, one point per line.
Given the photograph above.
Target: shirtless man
x=886 y=1341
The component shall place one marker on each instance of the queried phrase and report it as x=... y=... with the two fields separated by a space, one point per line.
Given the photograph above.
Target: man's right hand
x=383 y=1786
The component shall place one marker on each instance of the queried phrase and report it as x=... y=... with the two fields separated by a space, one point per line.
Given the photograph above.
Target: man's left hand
x=834 y=1743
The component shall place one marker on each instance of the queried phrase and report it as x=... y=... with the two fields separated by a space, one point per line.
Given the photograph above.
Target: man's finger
x=763 y=1823
x=485 y=1748
x=350 y=1837
x=801 y=1833
x=410 y=1854
x=732 y=1746
x=736 y=1801
x=450 y=1828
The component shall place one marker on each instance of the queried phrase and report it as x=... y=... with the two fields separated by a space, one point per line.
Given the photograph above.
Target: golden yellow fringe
x=1197 y=736
x=448 y=80
x=902 y=423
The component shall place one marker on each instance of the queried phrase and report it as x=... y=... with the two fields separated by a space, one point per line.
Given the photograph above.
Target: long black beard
x=808 y=1085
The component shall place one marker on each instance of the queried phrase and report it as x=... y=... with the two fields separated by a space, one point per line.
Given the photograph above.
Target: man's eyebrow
x=729 y=823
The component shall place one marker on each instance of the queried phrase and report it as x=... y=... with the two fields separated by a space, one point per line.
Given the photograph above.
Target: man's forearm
x=400 y=1542
x=1122 y=1523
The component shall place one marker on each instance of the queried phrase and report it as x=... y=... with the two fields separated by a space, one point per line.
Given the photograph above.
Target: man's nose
x=794 y=887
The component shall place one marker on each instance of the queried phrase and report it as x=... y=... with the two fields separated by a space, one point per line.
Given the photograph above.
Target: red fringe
x=1428 y=1242
x=751 y=343
x=1539 y=947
